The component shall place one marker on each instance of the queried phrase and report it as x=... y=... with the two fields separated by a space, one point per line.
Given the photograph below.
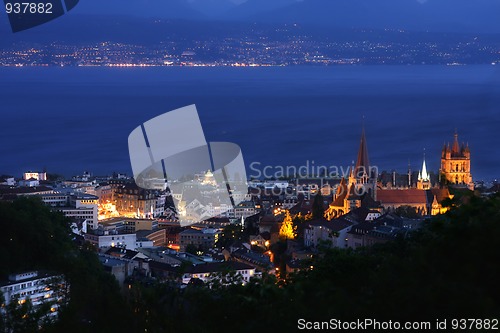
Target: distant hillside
x=252 y=9
x=178 y=9
x=416 y=15
x=81 y=29
x=212 y=8
x=321 y=17
x=432 y=15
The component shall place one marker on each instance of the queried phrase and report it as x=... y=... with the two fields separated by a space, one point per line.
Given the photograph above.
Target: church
x=363 y=188
x=359 y=190
x=455 y=165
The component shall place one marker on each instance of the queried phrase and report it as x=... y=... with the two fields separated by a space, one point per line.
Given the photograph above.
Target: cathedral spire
x=352 y=175
x=456 y=147
x=409 y=173
x=424 y=178
x=363 y=163
x=425 y=175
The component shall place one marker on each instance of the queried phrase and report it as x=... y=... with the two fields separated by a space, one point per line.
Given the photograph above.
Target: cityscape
x=353 y=188
x=255 y=51
x=263 y=45
x=278 y=229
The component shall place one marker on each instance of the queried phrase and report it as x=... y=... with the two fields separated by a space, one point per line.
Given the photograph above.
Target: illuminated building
x=359 y=190
x=228 y=272
x=35 y=175
x=75 y=206
x=424 y=179
x=39 y=287
x=133 y=201
x=331 y=232
x=205 y=238
x=455 y=164
x=244 y=209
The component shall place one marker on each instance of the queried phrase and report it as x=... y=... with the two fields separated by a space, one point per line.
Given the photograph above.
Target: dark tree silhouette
x=318 y=210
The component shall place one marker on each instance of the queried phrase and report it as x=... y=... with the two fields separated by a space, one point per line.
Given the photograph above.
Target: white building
x=143 y=242
x=209 y=272
x=159 y=209
x=55 y=199
x=35 y=175
x=107 y=240
x=7 y=180
x=275 y=183
x=75 y=206
x=222 y=210
x=331 y=233
x=31 y=182
x=40 y=288
x=372 y=215
x=244 y=209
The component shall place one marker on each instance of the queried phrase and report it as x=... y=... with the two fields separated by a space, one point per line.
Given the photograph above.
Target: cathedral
x=359 y=190
x=424 y=179
x=455 y=165
x=363 y=189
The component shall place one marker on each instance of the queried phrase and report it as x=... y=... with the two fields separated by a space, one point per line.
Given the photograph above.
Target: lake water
x=73 y=119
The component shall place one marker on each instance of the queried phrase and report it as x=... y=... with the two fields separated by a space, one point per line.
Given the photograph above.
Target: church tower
x=364 y=173
x=455 y=164
x=424 y=178
x=362 y=182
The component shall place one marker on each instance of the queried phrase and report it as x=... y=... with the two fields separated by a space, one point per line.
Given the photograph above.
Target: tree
x=407 y=211
x=287 y=229
x=192 y=249
x=35 y=238
x=230 y=233
x=318 y=210
x=299 y=222
x=445 y=269
x=53 y=177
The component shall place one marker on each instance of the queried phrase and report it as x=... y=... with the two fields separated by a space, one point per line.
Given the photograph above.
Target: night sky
x=416 y=15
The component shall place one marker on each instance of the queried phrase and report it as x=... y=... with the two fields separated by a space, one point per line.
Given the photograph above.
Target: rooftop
x=406 y=196
x=26 y=276
x=334 y=225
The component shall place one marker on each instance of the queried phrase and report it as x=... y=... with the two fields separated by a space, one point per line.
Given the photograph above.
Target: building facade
x=205 y=238
x=330 y=233
x=133 y=201
x=359 y=189
x=35 y=175
x=455 y=164
x=424 y=178
x=39 y=287
x=75 y=206
x=102 y=239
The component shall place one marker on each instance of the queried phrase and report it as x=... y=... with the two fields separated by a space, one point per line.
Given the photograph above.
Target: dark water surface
x=74 y=119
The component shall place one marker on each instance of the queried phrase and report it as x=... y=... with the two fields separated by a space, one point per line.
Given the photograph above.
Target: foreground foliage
x=34 y=238
x=447 y=269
